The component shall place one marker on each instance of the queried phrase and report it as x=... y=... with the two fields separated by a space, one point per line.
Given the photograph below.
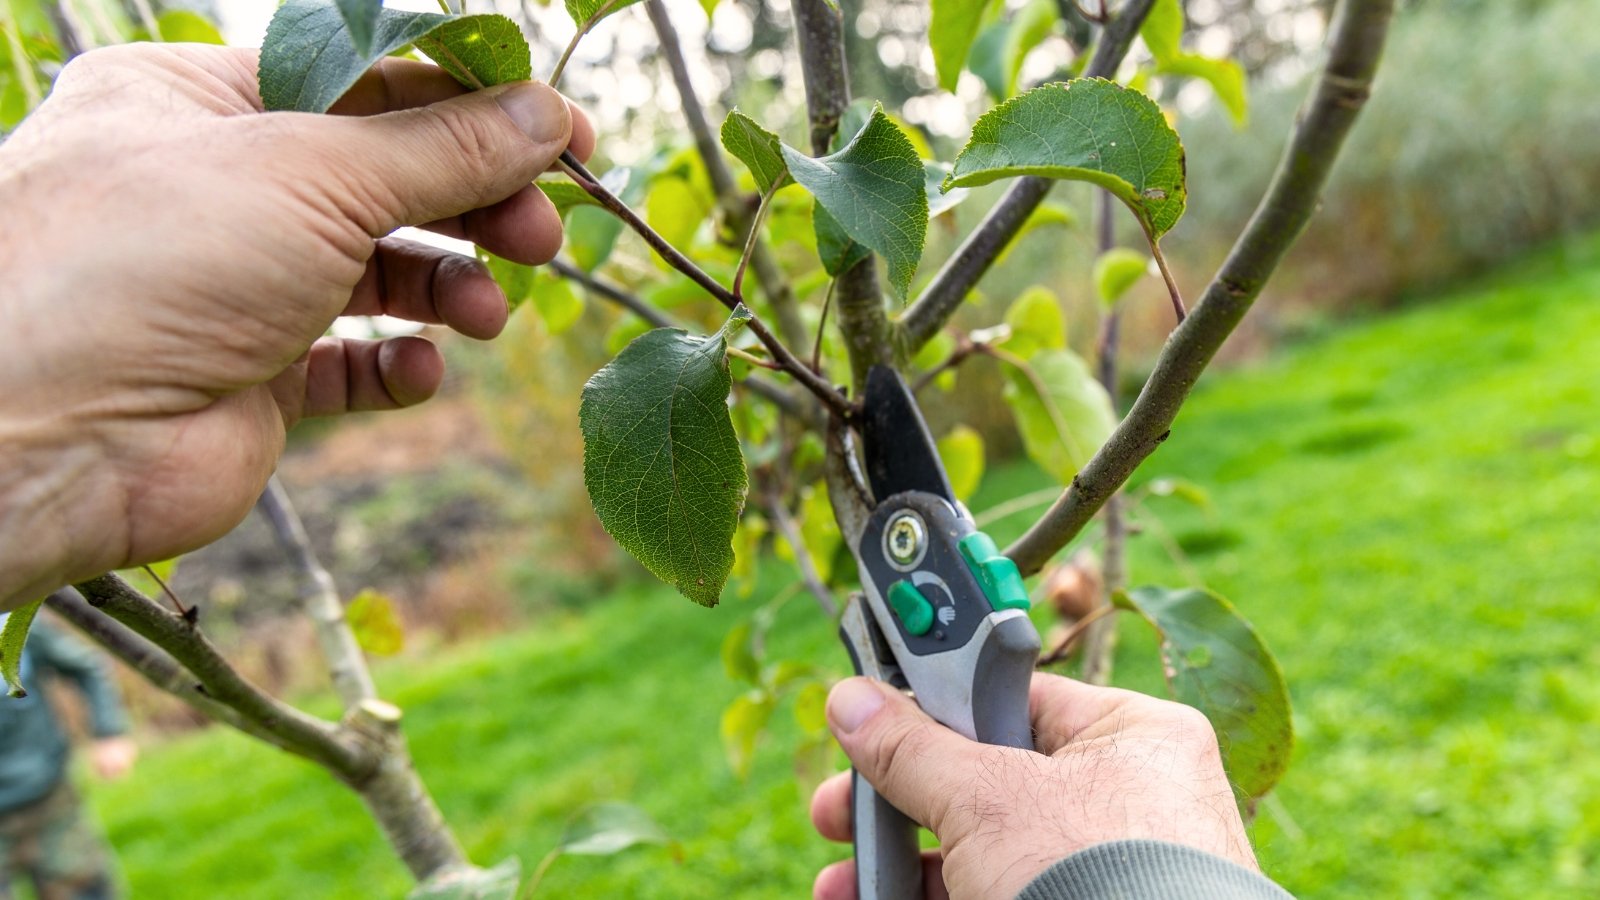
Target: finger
x=419 y=283
x=524 y=227
x=354 y=376
x=1064 y=710
x=918 y=765
x=838 y=880
x=437 y=161
x=830 y=808
x=394 y=84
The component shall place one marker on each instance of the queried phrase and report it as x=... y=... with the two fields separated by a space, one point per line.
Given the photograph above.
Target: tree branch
x=304 y=735
x=950 y=286
x=819 y=29
x=773 y=285
x=1290 y=201
x=796 y=369
x=151 y=662
x=319 y=599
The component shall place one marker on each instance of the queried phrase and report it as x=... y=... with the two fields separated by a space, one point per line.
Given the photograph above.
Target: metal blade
x=900 y=453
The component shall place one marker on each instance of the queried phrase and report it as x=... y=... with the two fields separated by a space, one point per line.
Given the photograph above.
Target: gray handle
x=888 y=858
x=1000 y=684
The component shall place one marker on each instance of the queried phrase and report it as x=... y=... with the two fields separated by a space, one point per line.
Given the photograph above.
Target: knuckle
x=479 y=145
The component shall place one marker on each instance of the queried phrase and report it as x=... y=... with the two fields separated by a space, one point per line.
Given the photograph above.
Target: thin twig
x=949 y=287
x=781 y=519
x=1172 y=285
x=822 y=325
x=794 y=367
x=304 y=734
x=1291 y=199
x=177 y=604
x=319 y=598
x=964 y=349
x=1063 y=647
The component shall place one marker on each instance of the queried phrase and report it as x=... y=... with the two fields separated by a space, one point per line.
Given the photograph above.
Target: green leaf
x=1066 y=421
x=1225 y=76
x=591 y=236
x=308 y=59
x=951 y=31
x=837 y=251
x=1216 y=662
x=986 y=59
x=660 y=458
x=566 y=195
x=558 y=304
x=935 y=351
x=737 y=658
x=743 y=721
x=182 y=26
x=962 y=452
x=360 y=21
x=1116 y=271
x=756 y=147
x=1090 y=130
x=625 y=331
x=1182 y=489
x=375 y=623
x=1036 y=323
x=1162 y=30
x=1032 y=24
x=479 y=51
x=710 y=8
x=1046 y=215
x=14 y=627
x=603 y=829
x=873 y=190
x=588 y=12
x=811 y=708
x=819 y=531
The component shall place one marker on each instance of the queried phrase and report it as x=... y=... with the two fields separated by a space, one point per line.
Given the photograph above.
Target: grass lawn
x=1406 y=508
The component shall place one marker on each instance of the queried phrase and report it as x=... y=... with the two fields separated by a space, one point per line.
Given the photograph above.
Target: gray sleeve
x=1149 y=870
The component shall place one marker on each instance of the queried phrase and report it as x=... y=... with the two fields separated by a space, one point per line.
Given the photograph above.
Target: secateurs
x=942 y=614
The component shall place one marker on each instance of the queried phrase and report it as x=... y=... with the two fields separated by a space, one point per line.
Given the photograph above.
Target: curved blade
x=899 y=451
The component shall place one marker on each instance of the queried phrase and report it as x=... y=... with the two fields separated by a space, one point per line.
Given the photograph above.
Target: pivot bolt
x=905 y=539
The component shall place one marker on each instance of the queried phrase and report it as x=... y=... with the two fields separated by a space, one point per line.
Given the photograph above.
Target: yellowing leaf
x=14 y=627
x=1225 y=76
x=375 y=623
x=1062 y=412
x=1162 y=29
x=962 y=453
x=558 y=304
x=743 y=722
x=675 y=210
x=1116 y=271
x=1036 y=323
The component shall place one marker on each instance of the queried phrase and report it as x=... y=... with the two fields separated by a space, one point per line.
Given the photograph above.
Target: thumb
x=431 y=162
x=920 y=766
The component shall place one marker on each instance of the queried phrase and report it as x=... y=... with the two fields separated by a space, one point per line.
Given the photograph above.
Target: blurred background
x=1392 y=472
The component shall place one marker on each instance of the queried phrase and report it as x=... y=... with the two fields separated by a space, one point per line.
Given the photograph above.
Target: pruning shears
x=942 y=614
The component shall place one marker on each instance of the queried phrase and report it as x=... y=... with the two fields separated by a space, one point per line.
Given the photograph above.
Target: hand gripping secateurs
x=942 y=614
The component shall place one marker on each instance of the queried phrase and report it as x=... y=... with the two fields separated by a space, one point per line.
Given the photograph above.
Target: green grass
x=1406 y=508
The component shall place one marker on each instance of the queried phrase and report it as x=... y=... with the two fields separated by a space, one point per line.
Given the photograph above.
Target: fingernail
x=852 y=703
x=538 y=110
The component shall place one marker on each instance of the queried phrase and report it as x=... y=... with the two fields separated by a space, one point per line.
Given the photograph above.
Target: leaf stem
x=751 y=242
x=583 y=30
x=781 y=354
x=754 y=360
x=1063 y=647
x=1172 y=284
x=822 y=325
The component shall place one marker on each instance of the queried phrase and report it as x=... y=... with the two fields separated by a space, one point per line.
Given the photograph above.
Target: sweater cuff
x=1149 y=870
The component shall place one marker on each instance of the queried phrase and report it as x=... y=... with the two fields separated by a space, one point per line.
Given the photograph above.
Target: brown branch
x=950 y=286
x=151 y=662
x=1290 y=201
x=319 y=599
x=794 y=367
x=304 y=735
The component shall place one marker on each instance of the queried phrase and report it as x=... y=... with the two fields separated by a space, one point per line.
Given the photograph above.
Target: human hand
x=1111 y=765
x=172 y=257
x=112 y=757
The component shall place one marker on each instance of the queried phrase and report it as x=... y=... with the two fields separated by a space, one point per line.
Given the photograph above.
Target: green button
x=996 y=573
x=913 y=609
